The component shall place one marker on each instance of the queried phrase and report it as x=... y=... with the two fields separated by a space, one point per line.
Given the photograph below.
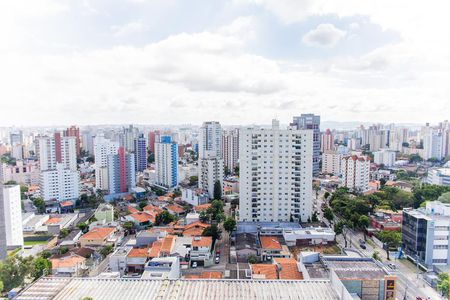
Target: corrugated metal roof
x=120 y=288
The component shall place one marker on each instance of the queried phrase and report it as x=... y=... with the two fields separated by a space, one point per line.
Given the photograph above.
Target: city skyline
x=240 y=61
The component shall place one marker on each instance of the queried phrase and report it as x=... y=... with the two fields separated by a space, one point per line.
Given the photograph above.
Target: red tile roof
x=202 y=241
x=270 y=242
x=131 y=209
x=143 y=217
x=139 y=252
x=98 y=233
x=264 y=271
x=288 y=269
x=175 y=208
x=202 y=207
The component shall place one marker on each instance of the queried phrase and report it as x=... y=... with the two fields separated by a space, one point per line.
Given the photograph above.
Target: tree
x=41 y=266
x=63 y=250
x=326 y=195
x=376 y=255
x=23 y=191
x=390 y=238
x=106 y=250
x=14 y=270
x=142 y=204
x=315 y=218
x=45 y=254
x=443 y=283
x=82 y=226
x=236 y=170
x=363 y=223
x=212 y=231
x=164 y=217
x=229 y=225
x=215 y=211
x=64 y=232
x=151 y=158
x=251 y=259
x=176 y=193
x=328 y=214
x=217 y=190
x=415 y=158
x=204 y=217
x=90 y=159
x=193 y=180
x=40 y=205
x=227 y=171
x=341 y=227
x=128 y=226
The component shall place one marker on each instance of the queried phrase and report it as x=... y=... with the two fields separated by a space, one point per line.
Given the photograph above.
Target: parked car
x=217 y=259
x=392 y=266
x=362 y=246
x=194 y=264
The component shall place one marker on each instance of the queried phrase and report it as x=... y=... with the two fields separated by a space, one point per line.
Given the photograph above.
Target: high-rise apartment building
x=121 y=172
x=433 y=143
x=87 y=142
x=211 y=169
x=311 y=122
x=230 y=148
x=140 y=153
x=16 y=137
x=153 y=136
x=355 y=172
x=327 y=143
x=102 y=149
x=385 y=157
x=75 y=132
x=331 y=162
x=59 y=178
x=210 y=143
x=127 y=138
x=11 y=215
x=275 y=174
x=166 y=162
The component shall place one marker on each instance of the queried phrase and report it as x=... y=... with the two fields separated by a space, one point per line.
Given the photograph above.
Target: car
x=392 y=266
x=362 y=241
x=217 y=259
x=194 y=264
x=362 y=246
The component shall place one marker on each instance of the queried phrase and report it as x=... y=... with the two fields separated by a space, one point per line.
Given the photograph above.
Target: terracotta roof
x=202 y=207
x=196 y=224
x=193 y=276
x=131 y=209
x=164 y=198
x=67 y=261
x=195 y=231
x=211 y=275
x=139 y=252
x=175 y=208
x=202 y=241
x=168 y=243
x=66 y=203
x=127 y=198
x=270 y=242
x=143 y=217
x=98 y=233
x=52 y=220
x=264 y=271
x=156 y=247
x=288 y=269
x=152 y=208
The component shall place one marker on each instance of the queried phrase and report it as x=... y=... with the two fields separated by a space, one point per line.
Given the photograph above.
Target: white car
x=194 y=264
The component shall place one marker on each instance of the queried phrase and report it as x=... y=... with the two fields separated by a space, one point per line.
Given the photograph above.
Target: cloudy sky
x=236 y=61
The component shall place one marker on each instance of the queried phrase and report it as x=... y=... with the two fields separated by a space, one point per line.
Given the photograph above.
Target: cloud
x=324 y=35
x=128 y=29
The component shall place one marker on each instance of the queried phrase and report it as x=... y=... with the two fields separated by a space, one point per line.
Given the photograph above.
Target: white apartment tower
x=230 y=148
x=275 y=174
x=11 y=215
x=210 y=170
x=166 y=162
x=59 y=178
x=355 y=172
x=331 y=162
x=210 y=143
x=102 y=148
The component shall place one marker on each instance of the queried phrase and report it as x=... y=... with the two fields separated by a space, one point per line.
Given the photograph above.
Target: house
x=264 y=271
x=132 y=210
x=97 y=237
x=105 y=212
x=192 y=217
x=152 y=209
x=163 y=247
x=288 y=268
x=247 y=244
x=201 y=249
x=162 y=268
x=136 y=259
x=194 y=196
x=175 y=210
x=71 y=239
x=71 y=265
x=271 y=247
x=385 y=220
x=194 y=229
x=118 y=260
x=149 y=236
x=141 y=219
x=308 y=236
x=202 y=207
x=66 y=206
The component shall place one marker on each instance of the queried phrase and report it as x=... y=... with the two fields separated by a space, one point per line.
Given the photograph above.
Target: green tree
x=164 y=217
x=212 y=231
x=229 y=225
x=63 y=250
x=390 y=238
x=217 y=190
x=106 y=250
x=376 y=255
x=82 y=226
x=443 y=283
x=23 y=191
x=142 y=204
x=415 y=158
x=14 y=270
x=204 y=217
x=328 y=214
x=326 y=195
x=315 y=218
x=251 y=259
x=363 y=224
x=128 y=226
x=193 y=180
x=45 y=254
x=40 y=205
x=64 y=232
x=215 y=211
x=151 y=158
x=176 y=193
x=341 y=227
x=41 y=266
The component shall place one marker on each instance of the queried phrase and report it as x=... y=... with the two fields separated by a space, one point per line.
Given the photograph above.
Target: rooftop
x=270 y=242
x=98 y=233
x=116 y=288
x=203 y=241
x=264 y=271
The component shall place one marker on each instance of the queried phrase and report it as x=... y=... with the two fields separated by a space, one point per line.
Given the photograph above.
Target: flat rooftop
x=355 y=268
x=117 y=288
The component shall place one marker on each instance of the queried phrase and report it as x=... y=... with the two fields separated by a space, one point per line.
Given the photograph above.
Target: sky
x=237 y=61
